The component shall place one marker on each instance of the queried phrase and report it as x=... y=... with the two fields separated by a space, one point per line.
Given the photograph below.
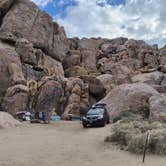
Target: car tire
x=103 y=124
x=85 y=125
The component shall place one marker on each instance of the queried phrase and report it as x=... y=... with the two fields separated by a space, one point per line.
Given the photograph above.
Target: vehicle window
x=95 y=111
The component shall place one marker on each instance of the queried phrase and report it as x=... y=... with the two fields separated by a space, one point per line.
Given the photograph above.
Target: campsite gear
x=27 y=116
x=21 y=115
x=55 y=118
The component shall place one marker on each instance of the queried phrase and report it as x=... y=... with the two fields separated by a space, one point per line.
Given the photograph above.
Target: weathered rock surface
x=10 y=68
x=77 y=97
x=89 y=60
x=128 y=97
x=7 y=121
x=42 y=70
x=24 y=19
x=76 y=71
x=157 y=108
x=92 y=43
x=4 y=6
x=30 y=73
x=53 y=67
x=108 y=81
x=16 y=99
x=96 y=88
x=73 y=59
x=49 y=96
x=26 y=51
x=149 y=78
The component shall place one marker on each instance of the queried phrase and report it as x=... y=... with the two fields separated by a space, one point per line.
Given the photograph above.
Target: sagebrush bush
x=132 y=136
x=127 y=116
x=136 y=143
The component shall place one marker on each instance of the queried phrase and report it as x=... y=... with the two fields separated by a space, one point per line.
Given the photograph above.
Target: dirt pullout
x=64 y=144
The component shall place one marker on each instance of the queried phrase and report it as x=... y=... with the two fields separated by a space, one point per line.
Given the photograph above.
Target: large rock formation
x=10 y=68
x=25 y=19
x=42 y=70
x=128 y=98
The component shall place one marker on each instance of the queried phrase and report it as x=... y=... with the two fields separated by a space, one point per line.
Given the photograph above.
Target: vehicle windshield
x=95 y=111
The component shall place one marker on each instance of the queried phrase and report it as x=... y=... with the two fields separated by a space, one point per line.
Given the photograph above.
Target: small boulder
x=7 y=121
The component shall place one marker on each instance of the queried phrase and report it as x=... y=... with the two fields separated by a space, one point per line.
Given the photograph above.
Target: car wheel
x=103 y=124
x=85 y=125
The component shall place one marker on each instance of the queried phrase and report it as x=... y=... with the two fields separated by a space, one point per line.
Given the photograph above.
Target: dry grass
x=131 y=135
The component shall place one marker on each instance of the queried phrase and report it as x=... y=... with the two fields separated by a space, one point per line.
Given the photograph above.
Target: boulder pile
x=43 y=70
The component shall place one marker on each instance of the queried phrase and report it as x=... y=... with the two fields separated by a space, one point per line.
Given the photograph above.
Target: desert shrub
x=126 y=116
x=136 y=143
x=142 y=113
x=121 y=133
x=158 y=141
x=132 y=136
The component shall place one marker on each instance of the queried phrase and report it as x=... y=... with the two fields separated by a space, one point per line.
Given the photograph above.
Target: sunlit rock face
x=43 y=70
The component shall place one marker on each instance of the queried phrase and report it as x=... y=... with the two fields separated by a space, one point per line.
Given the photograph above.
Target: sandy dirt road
x=64 y=144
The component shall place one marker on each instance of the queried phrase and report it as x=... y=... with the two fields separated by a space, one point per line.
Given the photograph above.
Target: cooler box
x=55 y=118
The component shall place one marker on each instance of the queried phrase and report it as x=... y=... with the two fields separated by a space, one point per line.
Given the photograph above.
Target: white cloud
x=42 y=3
x=140 y=19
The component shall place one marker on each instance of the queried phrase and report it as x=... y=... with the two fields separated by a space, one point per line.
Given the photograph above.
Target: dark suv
x=96 y=116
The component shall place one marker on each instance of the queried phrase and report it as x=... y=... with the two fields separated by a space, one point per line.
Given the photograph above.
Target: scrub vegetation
x=130 y=135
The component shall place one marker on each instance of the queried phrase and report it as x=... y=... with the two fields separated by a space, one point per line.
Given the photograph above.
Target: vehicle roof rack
x=99 y=105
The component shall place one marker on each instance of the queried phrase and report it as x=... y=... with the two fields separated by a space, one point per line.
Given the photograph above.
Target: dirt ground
x=65 y=144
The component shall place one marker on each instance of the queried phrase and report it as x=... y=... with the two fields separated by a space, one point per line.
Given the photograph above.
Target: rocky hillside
x=43 y=70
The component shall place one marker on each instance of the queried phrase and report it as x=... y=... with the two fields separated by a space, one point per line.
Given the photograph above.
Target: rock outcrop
x=128 y=98
x=10 y=68
x=25 y=19
x=7 y=121
x=49 y=96
x=43 y=70
x=157 y=108
x=15 y=99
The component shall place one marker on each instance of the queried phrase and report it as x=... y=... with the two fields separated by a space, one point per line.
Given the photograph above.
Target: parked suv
x=96 y=116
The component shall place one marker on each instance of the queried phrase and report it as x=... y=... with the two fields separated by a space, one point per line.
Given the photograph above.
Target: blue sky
x=138 y=19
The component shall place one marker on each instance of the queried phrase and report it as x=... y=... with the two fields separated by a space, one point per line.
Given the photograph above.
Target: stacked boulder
x=44 y=71
x=31 y=51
